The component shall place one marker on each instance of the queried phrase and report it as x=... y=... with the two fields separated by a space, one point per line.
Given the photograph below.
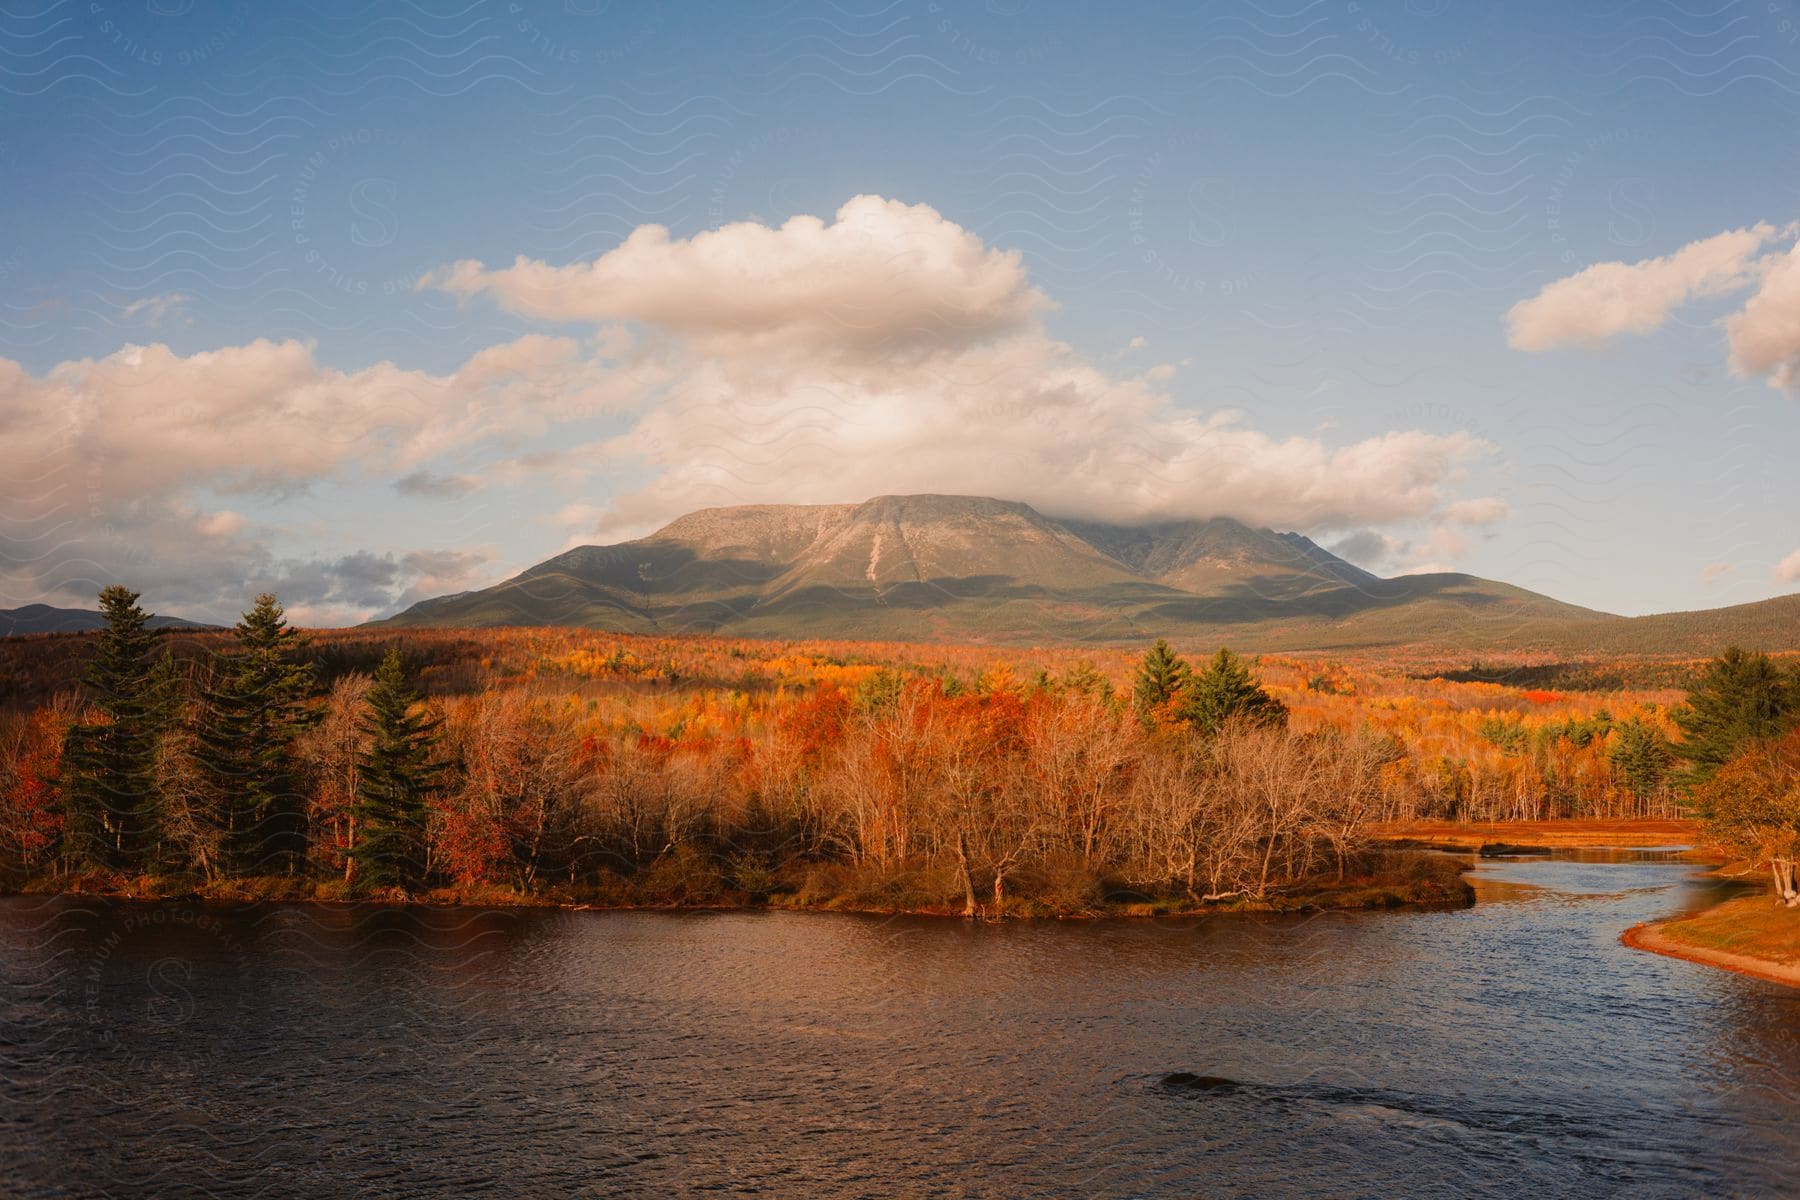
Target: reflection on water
x=1513 y=1048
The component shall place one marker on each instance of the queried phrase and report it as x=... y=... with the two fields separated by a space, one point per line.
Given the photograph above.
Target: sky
x=365 y=303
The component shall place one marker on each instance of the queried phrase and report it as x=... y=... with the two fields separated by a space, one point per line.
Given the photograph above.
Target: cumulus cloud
x=886 y=350
x=1765 y=335
x=1788 y=569
x=1611 y=298
x=882 y=277
x=1484 y=510
x=1023 y=418
x=108 y=458
x=890 y=350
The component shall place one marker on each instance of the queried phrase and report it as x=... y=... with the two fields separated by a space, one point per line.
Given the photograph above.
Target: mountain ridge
x=933 y=567
x=46 y=618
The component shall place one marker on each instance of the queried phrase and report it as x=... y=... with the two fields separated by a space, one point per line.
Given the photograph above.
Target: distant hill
x=42 y=618
x=968 y=568
x=1761 y=625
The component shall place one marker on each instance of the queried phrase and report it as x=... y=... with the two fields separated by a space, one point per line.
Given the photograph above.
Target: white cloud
x=110 y=457
x=883 y=277
x=1484 y=510
x=892 y=351
x=1788 y=569
x=887 y=351
x=223 y=524
x=1611 y=298
x=1712 y=571
x=1765 y=336
x=1022 y=418
x=154 y=310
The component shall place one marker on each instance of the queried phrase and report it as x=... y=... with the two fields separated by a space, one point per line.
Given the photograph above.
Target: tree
x=1740 y=698
x=31 y=814
x=1225 y=690
x=254 y=709
x=175 y=838
x=1640 y=756
x=1753 y=807
x=396 y=778
x=109 y=758
x=1160 y=678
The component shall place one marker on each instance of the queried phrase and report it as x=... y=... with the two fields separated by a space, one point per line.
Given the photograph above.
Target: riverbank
x=1751 y=935
x=1567 y=834
x=1378 y=879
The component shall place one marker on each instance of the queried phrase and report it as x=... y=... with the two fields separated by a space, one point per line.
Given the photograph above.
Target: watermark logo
x=1599 y=196
x=1182 y=214
x=344 y=210
x=166 y=33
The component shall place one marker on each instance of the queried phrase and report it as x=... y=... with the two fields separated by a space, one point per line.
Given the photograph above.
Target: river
x=1510 y=1049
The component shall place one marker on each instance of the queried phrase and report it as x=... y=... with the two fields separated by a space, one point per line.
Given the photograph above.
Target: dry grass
x=1752 y=926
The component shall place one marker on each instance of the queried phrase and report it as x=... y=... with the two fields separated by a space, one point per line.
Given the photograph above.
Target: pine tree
x=165 y=696
x=1160 y=678
x=1225 y=690
x=1740 y=698
x=396 y=779
x=107 y=782
x=254 y=707
x=1640 y=755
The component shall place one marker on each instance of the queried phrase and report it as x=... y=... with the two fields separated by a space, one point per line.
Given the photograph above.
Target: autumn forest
x=586 y=767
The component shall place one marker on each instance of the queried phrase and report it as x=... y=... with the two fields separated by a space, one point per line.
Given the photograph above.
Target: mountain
x=42 y=618
x=969 y=568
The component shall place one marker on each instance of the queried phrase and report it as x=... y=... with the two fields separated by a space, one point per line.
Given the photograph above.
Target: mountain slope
x=976 y=569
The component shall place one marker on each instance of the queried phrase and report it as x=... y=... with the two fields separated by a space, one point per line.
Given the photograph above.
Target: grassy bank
x=1375 y=879
x=1751 y=935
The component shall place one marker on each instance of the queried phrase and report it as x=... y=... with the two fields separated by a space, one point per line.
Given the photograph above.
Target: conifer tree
x=255 y=706
x=1740 y=698
x=1641 y=756
x=1224 y=690
x=165 y=695
x=396 y=778
x=107 y=781
x=1160 y=678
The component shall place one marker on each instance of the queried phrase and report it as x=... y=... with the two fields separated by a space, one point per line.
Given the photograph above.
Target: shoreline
x=1571 y=833
x=1648 y=937
x=1123 y=912
x=1415 y=888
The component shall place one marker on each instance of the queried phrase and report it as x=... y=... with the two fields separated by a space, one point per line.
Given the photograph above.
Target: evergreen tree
x=1160 y=678
x=396 y=779
x=1641 y=756
x=165 y=696
x=255 y=706
x=1224 y=690
x=107 y=782
x=1740 y=698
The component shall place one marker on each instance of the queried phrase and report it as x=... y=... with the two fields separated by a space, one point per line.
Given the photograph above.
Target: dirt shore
x=1652 y=938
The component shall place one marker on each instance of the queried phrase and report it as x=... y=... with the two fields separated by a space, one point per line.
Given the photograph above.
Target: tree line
x=271 y=758
x=204 y=772
x=917 y=789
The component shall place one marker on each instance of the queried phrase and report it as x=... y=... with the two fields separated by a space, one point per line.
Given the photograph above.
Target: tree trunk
x=1787 y=881
x=962 y=869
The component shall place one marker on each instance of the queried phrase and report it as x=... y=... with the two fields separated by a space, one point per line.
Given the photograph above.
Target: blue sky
x=1235 y=258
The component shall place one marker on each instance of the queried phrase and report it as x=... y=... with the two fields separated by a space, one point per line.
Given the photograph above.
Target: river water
x=1510 y=1049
